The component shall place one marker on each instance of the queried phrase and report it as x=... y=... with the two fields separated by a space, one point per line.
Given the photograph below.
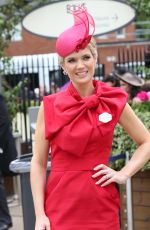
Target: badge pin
x=105 y=117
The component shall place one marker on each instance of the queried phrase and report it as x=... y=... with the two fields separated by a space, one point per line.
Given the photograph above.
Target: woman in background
x=130 y=83
x=112 y=80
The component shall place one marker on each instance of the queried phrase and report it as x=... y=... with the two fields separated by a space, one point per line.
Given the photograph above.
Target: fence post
x=0 y=83
x=129 y=200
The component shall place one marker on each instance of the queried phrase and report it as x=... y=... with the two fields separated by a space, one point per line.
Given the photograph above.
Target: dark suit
x=7 y=153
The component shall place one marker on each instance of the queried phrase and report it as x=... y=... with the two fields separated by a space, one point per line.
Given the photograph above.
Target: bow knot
x=70 y=118
x=91 y=102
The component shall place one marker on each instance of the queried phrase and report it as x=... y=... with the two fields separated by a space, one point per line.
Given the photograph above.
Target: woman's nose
x=80 y=64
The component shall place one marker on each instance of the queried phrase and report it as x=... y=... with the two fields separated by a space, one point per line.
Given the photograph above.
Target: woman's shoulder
x=110 y=91
x=54 y=96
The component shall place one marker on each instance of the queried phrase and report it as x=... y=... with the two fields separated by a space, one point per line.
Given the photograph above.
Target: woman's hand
x=108 y=175
x=42 y=223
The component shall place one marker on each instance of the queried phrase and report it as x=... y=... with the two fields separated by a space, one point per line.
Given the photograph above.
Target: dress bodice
x=80 y=132
x=83 y=127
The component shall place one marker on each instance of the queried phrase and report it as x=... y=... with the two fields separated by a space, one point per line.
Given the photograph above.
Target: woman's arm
x=138 y=132
x=38 y=172
x=141 y=136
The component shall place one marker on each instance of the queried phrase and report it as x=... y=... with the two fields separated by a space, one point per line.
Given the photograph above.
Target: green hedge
x=122 y=143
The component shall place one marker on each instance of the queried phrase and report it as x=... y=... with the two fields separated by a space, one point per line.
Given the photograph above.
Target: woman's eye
x=71 y=60
x=86 y=57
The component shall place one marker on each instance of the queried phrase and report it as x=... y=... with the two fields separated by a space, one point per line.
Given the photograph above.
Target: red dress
x=80 y=139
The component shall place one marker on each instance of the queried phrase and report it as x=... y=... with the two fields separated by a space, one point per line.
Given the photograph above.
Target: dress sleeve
x=48 y=102
x=53 y=115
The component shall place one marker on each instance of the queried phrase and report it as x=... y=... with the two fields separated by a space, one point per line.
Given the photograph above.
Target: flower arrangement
x=142 y=96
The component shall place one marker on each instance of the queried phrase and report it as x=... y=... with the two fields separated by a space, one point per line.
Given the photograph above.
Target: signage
x=51 y=19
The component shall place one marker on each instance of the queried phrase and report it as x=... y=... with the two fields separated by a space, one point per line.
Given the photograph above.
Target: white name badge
x=105 y=117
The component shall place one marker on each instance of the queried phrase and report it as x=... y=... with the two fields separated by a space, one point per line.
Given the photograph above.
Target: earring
x=64 y=72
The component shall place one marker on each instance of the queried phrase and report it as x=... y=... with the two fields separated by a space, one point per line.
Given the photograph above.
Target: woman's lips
x=82 y=74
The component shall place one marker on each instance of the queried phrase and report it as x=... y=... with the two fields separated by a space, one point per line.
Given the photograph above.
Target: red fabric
x=79 y=141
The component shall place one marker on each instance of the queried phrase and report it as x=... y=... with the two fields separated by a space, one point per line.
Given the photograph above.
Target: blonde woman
x=78 y=125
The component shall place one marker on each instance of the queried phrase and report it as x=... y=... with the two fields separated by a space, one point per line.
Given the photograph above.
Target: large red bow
x=71 y=119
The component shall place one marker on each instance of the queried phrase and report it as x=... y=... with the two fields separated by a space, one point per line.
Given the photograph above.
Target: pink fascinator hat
x=79 y=35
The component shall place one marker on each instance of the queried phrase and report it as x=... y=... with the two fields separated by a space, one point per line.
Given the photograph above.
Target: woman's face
x=126 y=86
x=80 y=66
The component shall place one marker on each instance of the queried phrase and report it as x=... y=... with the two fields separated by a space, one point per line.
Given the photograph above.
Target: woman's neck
x=85 y=90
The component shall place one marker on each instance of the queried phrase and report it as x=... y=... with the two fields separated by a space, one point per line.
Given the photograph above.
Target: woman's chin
x=83 y=79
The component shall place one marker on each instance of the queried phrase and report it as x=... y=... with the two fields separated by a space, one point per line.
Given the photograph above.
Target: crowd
x=137 y=88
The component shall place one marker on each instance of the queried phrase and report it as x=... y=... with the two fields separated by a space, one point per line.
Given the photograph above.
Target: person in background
x=78 y=124
x=65 y=86
x=112 y=80
x=146 y=86
x=144 y=94
x=6 y=147
x=131 y=83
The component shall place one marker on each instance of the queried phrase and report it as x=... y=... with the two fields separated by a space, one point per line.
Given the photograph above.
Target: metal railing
x=132 y=60
x=35 y=76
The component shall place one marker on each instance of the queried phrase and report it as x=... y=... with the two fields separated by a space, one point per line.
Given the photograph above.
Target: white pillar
x=129 y=200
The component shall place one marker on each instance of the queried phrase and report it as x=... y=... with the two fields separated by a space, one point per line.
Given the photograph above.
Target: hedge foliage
x=122 y=143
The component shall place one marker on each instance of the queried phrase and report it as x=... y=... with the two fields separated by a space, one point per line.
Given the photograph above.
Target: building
x=109 y=45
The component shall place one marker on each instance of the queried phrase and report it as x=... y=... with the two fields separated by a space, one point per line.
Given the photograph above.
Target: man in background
x=8 y=153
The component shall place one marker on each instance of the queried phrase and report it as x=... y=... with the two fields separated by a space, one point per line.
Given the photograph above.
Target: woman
x=112 y=80
x=130 y=83
x=78 y=125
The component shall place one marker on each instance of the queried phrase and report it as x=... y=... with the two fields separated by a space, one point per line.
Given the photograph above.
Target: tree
x=142 y=23
x=11 y=13
x=142 y=9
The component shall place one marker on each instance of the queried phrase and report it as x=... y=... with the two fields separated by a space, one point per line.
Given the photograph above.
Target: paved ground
x=16 y=214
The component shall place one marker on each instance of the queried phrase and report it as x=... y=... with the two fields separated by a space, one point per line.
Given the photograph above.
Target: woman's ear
x=64 y=72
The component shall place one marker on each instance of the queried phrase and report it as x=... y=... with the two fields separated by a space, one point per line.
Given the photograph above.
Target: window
x=120 y=33
x=104 y=36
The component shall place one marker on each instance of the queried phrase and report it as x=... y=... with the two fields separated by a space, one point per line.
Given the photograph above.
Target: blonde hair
x=91 y=46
